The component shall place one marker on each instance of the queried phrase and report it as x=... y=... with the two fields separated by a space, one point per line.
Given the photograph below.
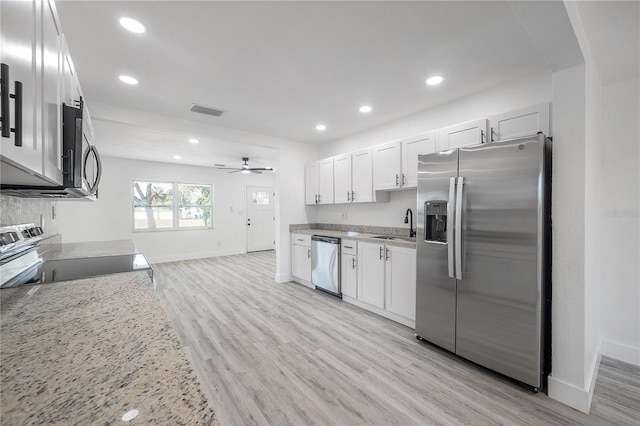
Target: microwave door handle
x=451 y=230
x=92 y=185
x=458 y=230
x=98 y=168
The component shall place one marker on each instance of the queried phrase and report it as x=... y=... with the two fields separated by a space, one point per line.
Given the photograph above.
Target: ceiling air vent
x=206 y=110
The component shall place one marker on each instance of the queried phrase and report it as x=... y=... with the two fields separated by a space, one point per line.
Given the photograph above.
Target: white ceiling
x=280 y=68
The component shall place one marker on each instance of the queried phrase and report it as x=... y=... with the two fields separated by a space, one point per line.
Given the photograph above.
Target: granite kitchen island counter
x=89 y=249
x=89 y=351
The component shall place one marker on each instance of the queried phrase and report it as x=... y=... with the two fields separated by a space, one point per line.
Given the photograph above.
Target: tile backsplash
x=15 y=210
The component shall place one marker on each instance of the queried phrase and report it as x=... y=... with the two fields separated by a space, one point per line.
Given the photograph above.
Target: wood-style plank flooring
x=270 y=353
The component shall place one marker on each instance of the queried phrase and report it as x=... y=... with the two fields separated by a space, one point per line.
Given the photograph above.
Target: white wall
x=292 y=156
x=113 y=218
x=619 y=211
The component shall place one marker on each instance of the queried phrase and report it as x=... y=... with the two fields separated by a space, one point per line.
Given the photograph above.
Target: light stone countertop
x=359 y=233
x=89 y=249
x=88 y=351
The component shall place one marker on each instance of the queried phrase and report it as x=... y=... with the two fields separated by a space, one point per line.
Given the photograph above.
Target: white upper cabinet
x=342 y=178
x=18 y=44
x=318 y=182
x=31 y=48
x=311 y=183
x=353 y=177
x=522 y=122
x=411 y=148
x=387 y=166
x=325 y=181
x=51 y=92
x=470 y=133
x=362 y=176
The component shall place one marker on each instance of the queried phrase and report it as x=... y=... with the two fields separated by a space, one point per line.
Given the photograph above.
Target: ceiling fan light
x=245 y=171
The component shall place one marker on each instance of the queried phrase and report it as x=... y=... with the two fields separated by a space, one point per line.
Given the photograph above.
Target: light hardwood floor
x=270 y=353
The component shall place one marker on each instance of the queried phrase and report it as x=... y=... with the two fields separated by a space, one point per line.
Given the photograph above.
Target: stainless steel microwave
x=81 y=166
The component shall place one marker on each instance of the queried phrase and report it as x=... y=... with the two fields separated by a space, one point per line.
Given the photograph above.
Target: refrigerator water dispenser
x=436 y=221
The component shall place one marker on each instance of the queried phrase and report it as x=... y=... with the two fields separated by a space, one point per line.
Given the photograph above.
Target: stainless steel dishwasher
x=325 y=264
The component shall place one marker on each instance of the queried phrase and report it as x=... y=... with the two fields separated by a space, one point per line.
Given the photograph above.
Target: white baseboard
x=382 y=312
x=283 y=278
x=190 y=256
x=620 y=352
x=569 y=394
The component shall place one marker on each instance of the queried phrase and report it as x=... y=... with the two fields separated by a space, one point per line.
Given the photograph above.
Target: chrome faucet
x=412 y=232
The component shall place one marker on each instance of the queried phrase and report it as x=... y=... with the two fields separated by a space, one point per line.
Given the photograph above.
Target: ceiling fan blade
x=234 y=171
x=255 y=171
x=262 y=168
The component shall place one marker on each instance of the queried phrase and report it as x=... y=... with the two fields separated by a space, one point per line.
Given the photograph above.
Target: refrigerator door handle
x=451 y=230
x=458 y=229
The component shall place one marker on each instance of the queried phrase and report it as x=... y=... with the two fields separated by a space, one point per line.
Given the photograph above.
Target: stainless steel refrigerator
x=484 y=269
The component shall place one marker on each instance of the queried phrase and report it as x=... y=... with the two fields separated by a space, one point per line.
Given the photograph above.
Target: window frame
x=175 y=206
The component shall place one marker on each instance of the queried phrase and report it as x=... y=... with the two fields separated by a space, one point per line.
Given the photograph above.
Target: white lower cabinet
x=371 y=274
x=400 y=278
x=348 y=269
x=301 y=258
x=386 y=277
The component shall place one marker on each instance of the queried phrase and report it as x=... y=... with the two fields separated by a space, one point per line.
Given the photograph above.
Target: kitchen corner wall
x=15 y=210
x=531 y=90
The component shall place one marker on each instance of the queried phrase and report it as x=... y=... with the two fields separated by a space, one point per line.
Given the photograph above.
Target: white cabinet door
x=362 y=176
x=370 y=270
x=311 y=183
x=301 y=262
x=387 y=166
x=349 y=276
x=400 y=277
x=325 y=181
x=470 y=133
x=18 y=45
x=523 y=122
x=411 y=148
x=51 y=77
x=342 y=178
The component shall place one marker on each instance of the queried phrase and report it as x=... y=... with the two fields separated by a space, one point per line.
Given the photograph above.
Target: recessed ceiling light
x=436 y=79
x=128 y=79
x=365 y=108
x=176 y=157
x=132 y=25
x=193 y=140
x=321 y=127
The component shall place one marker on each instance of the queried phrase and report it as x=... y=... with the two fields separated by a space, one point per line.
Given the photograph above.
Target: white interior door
x=261 y=232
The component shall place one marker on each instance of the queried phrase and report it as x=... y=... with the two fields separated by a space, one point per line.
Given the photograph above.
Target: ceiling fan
x=246 y=169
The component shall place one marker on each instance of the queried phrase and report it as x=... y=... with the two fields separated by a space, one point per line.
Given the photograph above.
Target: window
x=171 y=205
x=260 y=198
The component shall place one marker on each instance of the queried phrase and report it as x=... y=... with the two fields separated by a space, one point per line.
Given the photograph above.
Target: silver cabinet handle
x=353 y=263
x=386 y=254
x=492 y=134
x=380 y=252
x=348 y=196
x=397 y=180
x=349 y=247
x=450 y=226
x=458 y=230
x=353 y=196
x=319 y=198
x=308 y=253
x=316 y=195
x=299 y=239
x=482 y=138
x=404 y=181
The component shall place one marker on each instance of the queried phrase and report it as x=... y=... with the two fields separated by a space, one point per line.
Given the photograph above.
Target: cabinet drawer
x=349 y=247
x=301 y=239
